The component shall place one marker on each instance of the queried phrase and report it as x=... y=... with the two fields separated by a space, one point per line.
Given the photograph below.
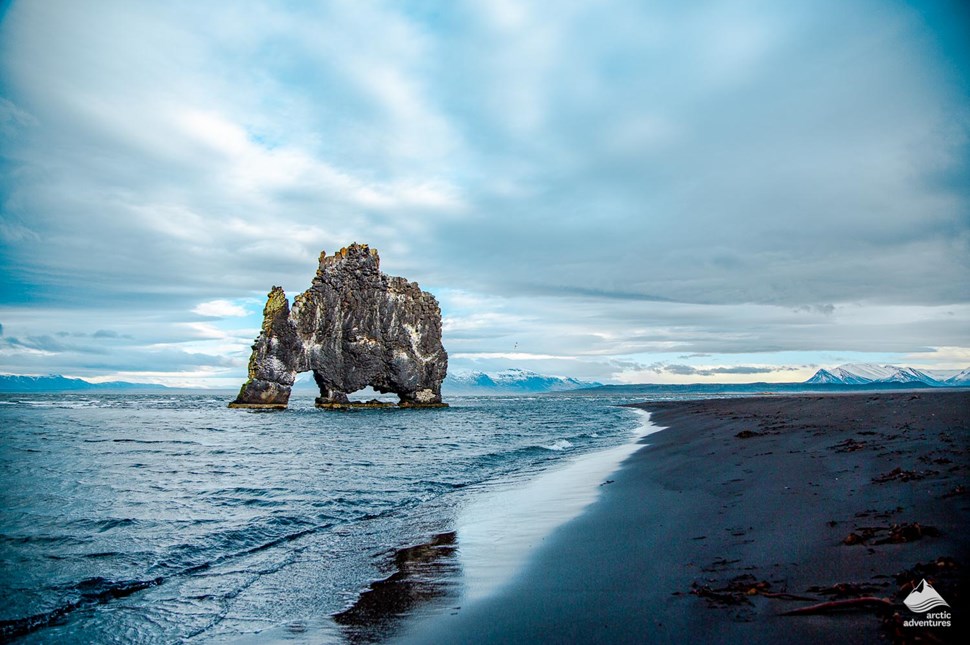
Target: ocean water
x=170 y=518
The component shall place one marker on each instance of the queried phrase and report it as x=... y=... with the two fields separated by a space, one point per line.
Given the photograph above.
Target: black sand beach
x=744 y=510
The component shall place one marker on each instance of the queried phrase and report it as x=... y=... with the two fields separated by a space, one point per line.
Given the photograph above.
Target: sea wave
x=562 y=444
x=185 y=508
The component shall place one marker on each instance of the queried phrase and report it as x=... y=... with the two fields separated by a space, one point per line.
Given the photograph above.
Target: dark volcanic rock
x=353 y=328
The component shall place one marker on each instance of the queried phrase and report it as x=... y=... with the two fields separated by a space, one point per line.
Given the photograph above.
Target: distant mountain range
x=58 y=383
x=510 y=381
x=518 y=381
x=870 y=373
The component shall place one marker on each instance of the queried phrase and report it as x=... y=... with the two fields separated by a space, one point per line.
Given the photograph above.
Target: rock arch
x=354 y=327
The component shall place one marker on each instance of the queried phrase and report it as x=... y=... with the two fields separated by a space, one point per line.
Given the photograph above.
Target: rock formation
x=353 y=328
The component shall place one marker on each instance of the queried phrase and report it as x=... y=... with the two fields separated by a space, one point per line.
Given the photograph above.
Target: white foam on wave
x=65 y=404
x=562 y=444
x=499 y=531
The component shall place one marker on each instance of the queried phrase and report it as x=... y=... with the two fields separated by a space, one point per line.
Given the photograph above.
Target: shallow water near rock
x=159 y=518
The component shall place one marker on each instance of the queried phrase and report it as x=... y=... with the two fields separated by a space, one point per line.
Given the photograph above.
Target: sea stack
x=354 y=327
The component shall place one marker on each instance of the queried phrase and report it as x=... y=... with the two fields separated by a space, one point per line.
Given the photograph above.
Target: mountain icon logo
x=924 y=598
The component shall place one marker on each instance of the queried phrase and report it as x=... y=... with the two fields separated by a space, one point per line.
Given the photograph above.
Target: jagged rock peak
x=355 y=327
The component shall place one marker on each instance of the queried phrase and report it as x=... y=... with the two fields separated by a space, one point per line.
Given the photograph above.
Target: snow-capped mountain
x=58 y=383
x=910 y=375
x=510 y=381
x=836 y=376
x=865 y=373
x=963 y=378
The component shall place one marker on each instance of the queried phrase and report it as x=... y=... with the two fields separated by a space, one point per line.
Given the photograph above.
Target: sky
x=618 y=191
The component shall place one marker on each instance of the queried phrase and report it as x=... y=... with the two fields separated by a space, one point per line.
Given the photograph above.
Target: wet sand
x=743 y=510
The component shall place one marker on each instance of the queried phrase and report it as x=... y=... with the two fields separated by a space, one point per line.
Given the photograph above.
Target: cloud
x=109 y=333
x=43 y=345
x=511 y=356
x=37 y=343
x=603 y=182
x=688 y=370
x=822 y=309
x=220 y=309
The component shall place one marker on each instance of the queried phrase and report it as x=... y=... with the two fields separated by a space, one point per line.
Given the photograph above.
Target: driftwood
x=784 y=596
x=837 y=605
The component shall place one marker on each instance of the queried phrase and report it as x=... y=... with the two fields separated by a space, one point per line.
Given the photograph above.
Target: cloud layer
x=590 y=191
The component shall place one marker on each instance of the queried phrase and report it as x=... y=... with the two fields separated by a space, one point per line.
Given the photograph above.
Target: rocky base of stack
x=329 y=404
x=262 y=395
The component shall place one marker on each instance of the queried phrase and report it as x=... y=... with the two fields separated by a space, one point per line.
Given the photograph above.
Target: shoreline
x=743 y=509
x=498 y=532
x=493 y=537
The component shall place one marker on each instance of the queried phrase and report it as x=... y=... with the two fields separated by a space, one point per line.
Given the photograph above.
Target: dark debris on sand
x=864 y=445
x=747 y=434
x=893 y=534
x=898 y=474
x=882 y=597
